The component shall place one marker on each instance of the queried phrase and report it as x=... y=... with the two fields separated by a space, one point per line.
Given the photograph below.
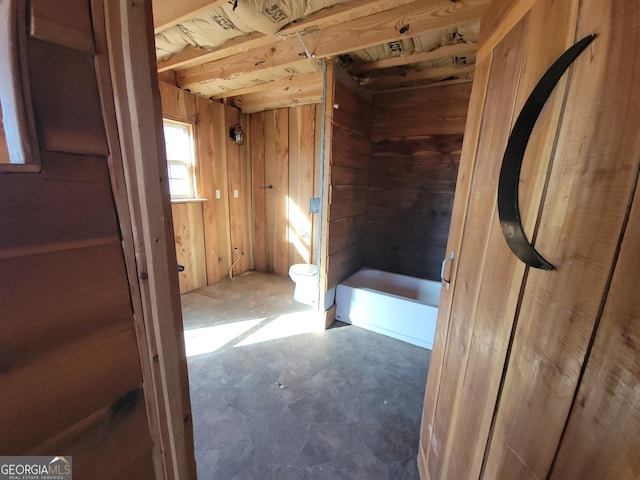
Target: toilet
x=305 y=277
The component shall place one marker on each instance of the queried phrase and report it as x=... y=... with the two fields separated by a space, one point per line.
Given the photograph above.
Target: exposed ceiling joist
x=443 y=83
x=285 y=84
x=193 y=56
x=395 y=81
x=220 y=86
x=167 y=13
x=391 y=25
x=456 y=49
x=330 y=16
x=282 y=94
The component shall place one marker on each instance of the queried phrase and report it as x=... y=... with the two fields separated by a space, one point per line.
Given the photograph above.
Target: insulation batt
x=216 y=26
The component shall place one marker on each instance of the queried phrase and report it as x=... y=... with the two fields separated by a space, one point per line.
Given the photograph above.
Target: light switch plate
x=314 y=205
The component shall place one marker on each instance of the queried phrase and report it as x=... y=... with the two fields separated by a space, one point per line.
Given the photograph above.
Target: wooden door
x=521 y=368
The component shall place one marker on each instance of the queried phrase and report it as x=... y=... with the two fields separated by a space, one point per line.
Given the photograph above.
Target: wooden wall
x=284 y=155
x=188 y=227
x=350 y=144
x=535 y=374
x=188 y=230
x=417 y=139
x=70 y=372
x=272 y=227
x=208 y=230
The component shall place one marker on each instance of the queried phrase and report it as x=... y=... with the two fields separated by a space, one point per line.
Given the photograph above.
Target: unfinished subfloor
x=272 y=400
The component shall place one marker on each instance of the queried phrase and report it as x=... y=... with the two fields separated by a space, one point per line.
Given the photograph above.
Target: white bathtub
x=398 y=306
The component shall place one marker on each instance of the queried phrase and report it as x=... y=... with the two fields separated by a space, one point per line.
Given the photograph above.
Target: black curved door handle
x=508 y=206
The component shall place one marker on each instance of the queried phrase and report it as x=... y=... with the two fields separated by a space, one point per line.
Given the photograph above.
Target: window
x=178 y=139
x=18 y=143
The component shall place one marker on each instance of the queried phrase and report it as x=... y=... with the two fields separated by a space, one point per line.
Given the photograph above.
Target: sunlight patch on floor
x=286 y=325
x=209 y=339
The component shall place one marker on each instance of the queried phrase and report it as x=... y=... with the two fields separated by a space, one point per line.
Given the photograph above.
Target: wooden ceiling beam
x=280 y=97
x=191 y=56
x=391 y=25
x=453 y=50
x=395 y=81
x=324 y=18
x=409 y=88
x=226 y=88
x=167 y=13
x=285 y=84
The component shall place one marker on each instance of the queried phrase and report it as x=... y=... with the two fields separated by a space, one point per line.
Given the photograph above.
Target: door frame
x=130 y=96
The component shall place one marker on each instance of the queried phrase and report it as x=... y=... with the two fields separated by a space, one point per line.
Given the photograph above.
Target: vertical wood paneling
x=503 y=268
x=189 y=236
x=478 y=220
x=326 y=140
x=178 y=104
x=503 y=395
x=238 y=214
x=188 y=225
x=460 y=204
x=270 y=164
x=281 y=188
x=213 y=178
x=259 y=190
x=316 y=181
x=579 y=232
x=276 y=174
x=246 y=198
x=221 y=167
x=301 y=178
x=607 y=404
x=284 y=155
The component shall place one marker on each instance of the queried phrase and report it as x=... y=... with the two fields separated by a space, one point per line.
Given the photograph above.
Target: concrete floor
x=272 y=399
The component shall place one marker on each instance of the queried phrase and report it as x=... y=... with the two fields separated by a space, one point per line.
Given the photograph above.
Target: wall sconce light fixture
x=237 y=134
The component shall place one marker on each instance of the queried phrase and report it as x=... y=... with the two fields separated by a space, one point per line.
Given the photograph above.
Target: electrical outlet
x=236 y=194
x=218 y=196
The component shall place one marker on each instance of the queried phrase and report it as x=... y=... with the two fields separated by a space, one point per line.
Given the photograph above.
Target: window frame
x=17 y=109
x=190 y=163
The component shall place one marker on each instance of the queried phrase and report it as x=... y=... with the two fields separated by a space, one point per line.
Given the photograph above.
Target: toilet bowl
x=305 y=277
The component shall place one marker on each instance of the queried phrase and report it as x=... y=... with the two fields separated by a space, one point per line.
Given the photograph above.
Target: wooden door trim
x=130 y=97
x=498 y=20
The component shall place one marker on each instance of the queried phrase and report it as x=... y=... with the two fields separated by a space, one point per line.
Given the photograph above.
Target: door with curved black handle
x=508 y=203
